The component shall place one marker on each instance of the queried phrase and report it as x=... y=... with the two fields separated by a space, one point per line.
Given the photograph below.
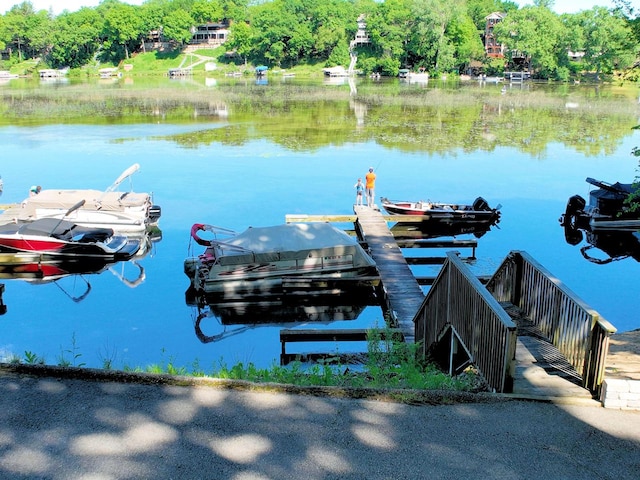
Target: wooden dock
x=403 y=293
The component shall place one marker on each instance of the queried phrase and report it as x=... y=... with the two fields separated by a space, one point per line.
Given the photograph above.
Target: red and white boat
x=479 y=211
x=53 y=239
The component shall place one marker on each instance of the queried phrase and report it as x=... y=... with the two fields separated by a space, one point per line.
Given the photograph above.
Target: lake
x=238 y=154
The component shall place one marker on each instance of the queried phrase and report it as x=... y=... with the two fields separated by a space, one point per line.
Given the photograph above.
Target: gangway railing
x=460 y=309
x=574 y=328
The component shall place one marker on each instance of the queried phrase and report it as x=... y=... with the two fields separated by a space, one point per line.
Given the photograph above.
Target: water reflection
x=604 y=246
x=72 y=276
x=217 y=319
x=425 y=230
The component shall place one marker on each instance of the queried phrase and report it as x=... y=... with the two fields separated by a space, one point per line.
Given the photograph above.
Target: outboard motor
x=480 y=204
x=573 y=212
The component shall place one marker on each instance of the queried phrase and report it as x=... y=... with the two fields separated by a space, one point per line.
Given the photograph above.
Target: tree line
x=440 y=36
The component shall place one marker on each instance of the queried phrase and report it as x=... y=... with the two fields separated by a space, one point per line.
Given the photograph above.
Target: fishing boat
x=259 y=260
x=125 y=212
x=606 y=208
x=433 y=212
x=59 y=240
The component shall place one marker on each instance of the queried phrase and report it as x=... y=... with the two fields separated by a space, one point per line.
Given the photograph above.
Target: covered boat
x=478 y=211
x=59 y=240
x=606 y=208
x=257 y=260
x=126 y=212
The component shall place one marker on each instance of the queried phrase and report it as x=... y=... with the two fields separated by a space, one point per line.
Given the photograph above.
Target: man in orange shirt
x=369 y=187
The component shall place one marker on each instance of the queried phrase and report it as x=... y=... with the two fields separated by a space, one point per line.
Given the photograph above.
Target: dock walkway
x=541 y=371
x=403 y=292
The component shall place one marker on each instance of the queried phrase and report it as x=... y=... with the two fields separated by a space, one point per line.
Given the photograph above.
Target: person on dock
x=369 y=187
x=359 y=186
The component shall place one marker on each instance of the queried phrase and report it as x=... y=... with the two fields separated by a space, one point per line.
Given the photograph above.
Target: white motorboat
x=124 y=212
x=258 y=260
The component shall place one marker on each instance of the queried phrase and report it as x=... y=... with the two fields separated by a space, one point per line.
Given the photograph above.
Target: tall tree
x=608 y=40
x=204 y=11
x=75 y=38
x=389 y=28
x=429 y=39
x=241 y=39
x=536 y=32
x=16 y=26
x=123 y=27
x=281 y=32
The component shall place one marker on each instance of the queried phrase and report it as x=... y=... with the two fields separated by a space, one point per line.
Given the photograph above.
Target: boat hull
x=52 y=239
x=478 y=212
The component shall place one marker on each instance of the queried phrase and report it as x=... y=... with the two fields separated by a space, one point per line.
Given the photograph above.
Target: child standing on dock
x=359 y=191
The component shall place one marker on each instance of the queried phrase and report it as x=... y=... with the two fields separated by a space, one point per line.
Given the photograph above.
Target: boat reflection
x=425 y=230
x=37 y=269
x=231 y=318
x=604 y=246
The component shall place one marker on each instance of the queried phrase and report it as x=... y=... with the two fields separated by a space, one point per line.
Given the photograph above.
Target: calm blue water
x=258 y=184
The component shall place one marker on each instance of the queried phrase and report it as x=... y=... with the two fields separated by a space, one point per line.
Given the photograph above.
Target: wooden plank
x=333 y=335
x=324 y=282
x=428 y=280
x=402 y=293
x=436 y=243
x=293 y=218
x=358 y=358
x=338 y=218
x=433 y=260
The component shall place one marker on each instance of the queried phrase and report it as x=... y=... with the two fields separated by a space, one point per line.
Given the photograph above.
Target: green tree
x=38 y=34
x=608 y=40
x=75 y=38
x=16 y=27
x=281 y=32
x=389 y=27
x=204 y=11
x=333 y=26
x=177 y=26
x=521 y=31
x=123 y=28
x=479 y=9
x=241 y=39
x=468 y=44
x=430 y=43
x=3 y=43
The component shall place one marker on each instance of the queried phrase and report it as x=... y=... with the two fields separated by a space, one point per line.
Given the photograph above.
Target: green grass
x=390 y=364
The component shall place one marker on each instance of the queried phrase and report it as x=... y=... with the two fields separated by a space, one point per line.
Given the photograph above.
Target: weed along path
x=58 y=427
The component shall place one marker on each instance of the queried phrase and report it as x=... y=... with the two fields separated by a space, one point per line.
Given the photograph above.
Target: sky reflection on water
x=258 y=183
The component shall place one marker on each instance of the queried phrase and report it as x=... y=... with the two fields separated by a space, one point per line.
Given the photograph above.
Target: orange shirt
x=371 y=180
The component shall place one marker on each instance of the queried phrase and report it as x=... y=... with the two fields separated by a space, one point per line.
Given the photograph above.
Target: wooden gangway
x=525 y=331
x=401 y=289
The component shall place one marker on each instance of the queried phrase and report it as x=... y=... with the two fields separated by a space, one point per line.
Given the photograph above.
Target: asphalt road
x=66 y=428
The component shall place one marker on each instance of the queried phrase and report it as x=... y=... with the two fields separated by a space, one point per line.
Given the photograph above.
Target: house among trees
x=518 y=61
x=210 y=34
x=362 y=37
x=492 y=48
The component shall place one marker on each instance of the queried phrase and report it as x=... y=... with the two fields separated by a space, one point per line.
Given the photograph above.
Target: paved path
x=53 y=428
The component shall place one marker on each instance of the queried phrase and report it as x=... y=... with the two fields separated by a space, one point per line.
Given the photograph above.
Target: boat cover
x=289 y=241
